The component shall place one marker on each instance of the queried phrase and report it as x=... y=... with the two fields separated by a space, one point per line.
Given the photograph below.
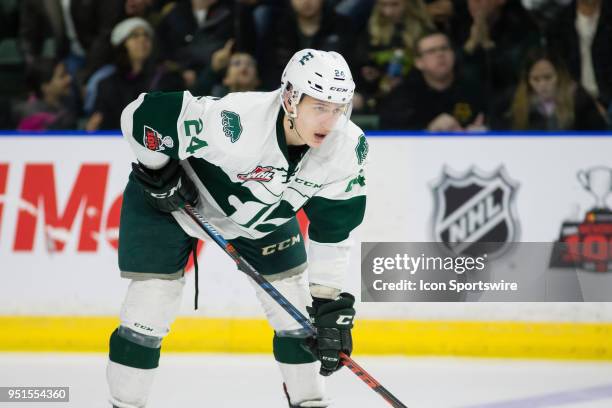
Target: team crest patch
x=473 y=210
x=152 y=140
x=231 y=125
x=362 y=149
x=258 y=174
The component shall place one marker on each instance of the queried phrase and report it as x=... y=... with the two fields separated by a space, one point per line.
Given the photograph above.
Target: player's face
x=316 y=119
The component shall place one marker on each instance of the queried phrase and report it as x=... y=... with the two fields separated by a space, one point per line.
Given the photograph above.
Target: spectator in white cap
x=127 y=27
x=133 y=72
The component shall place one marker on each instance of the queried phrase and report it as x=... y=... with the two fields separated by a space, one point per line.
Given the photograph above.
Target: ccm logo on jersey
x=152 y=140
x=258 y=174
x=344 y=320
x=281 y=246
x=308 y=183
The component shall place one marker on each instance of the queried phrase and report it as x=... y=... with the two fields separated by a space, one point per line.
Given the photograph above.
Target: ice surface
x=218 y=380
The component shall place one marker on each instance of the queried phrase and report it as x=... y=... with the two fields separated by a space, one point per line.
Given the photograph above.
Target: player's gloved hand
x=334 y=321
x=167 y=189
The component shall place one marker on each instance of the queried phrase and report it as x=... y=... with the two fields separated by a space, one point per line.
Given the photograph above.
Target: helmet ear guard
x=292 y=97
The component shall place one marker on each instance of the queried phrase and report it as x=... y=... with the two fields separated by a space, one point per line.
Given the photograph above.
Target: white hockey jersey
x=234 y=149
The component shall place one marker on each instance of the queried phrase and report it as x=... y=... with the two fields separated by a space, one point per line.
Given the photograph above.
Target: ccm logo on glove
x=169 y=193
x=344 y=319
x=167 y=189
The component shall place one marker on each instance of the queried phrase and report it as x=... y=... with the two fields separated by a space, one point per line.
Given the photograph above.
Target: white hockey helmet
x=323 y=75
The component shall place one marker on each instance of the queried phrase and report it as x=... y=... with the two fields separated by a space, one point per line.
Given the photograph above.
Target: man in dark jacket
x=433 y=97
x=494 y=36
x=193 y=30
x=306 y=24
x=582 y=35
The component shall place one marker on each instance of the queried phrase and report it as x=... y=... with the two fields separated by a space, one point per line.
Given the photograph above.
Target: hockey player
x=248 y=162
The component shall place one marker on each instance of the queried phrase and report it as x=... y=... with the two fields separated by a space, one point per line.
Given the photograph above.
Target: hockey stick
x=309 y=329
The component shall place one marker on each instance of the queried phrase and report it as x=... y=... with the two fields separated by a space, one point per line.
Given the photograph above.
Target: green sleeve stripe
x=155 y=122
x=331 y=221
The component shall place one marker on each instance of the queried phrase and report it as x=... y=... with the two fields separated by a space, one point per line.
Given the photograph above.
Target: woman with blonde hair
x=547 y=98
x=388 y=53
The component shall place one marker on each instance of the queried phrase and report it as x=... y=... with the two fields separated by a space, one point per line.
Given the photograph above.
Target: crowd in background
x=437 y=65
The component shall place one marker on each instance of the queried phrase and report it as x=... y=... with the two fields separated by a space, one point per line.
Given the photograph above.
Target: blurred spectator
x=441 y=12
x=546 y=98
x=543 y=4
x=6 y=117
x=583 y=37
x=137 y=8
x=435 y=98
x=134 y=73
x=46 y=109
x=255 y=25
x=79 y=30
x=150 y=10
x=494 y=36
x=191 y=32
x=9 y=18
x=240 y=75
x=385 y=55
x=306 y=24
x=12 y=82
x=357 y=10
x=544 y=11
x=91 y=88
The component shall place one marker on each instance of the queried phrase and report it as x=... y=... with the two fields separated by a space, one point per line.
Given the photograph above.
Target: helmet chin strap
x=292 y=117
x=293 y=126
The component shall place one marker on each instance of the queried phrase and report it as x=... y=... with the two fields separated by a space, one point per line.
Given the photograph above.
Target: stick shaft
x=309 y=329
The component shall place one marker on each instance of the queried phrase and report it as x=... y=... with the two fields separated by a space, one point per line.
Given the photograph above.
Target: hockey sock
x=123 y=351
x=290 y=350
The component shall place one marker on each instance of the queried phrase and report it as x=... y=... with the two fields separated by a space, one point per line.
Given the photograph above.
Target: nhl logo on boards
x=474 y=212
x=258 y=174
x=152 y=140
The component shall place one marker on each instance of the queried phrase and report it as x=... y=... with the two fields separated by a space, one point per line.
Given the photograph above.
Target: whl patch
x=258 y=174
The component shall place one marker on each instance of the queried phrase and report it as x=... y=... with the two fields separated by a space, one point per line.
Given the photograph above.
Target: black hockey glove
x=167 y=189
x=334 y=321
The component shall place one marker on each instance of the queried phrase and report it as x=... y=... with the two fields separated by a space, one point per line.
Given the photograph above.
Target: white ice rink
x=242 y=381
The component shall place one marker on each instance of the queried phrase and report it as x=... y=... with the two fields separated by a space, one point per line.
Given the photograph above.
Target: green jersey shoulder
x=180 y=125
